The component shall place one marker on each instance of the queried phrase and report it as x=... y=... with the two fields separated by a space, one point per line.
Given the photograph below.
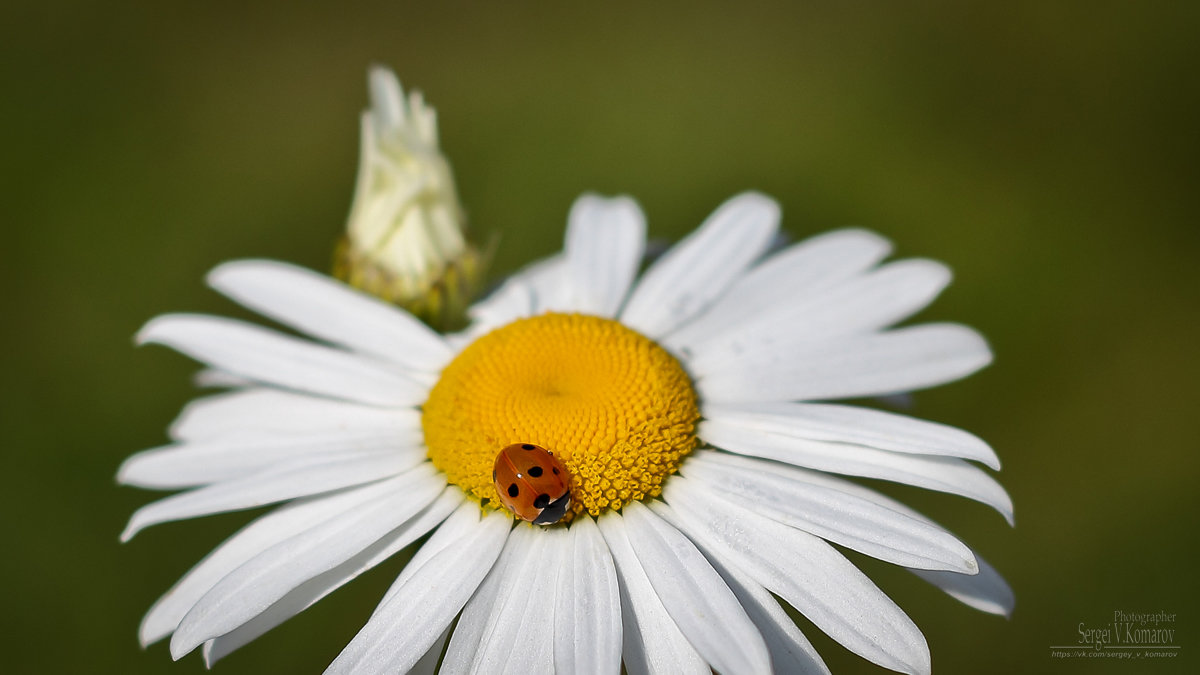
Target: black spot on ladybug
x=513 y=490
x=535 y=471
x=542 y=501
x=554 y=469
x=528 y=447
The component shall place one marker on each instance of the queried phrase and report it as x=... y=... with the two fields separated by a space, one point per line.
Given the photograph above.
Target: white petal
x=258 y=584
x=536 y=288
x=211 y=378
x=790 y=651
x=944 y=474
x=859 y=426
x=868 y=303
x=518 y=290
x=287 y=480
x=986 y=591
x=308 y=593
x=904 y=359
x=273 y=411
x=806 y=572
x=652 y=643
x=387 y=98
x=780 y=492
x=512 y=300
x=429 y=593
x=273 y=358
x=204 y=462
x=587 y=630
x=518 y=637
x=787 y=278
x=545 y=280
x=699 y=602
x=549 y=290
x=425 y=120
x=261 y=534
x=428 y=664
x=328 y=309
x=553 y=551
x=604 y=245
x=479 y=615
x=461 y=525
x=878 y=299
x=697 y=270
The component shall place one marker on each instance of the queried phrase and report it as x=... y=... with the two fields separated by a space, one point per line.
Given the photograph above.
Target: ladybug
x=532 y=483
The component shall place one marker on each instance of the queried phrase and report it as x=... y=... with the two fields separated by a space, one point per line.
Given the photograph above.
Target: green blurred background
x=1046 y=151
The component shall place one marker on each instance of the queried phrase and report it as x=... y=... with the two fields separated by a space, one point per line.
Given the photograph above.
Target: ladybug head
x=552 y=511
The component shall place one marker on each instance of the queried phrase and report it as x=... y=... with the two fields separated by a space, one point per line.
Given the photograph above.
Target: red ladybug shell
x=532 y=483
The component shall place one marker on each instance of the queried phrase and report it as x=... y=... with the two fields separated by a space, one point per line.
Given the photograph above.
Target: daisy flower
x=660 y=430
x=681 y=403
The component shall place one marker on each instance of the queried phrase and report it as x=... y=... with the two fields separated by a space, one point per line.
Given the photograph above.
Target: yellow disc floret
x=615 y=407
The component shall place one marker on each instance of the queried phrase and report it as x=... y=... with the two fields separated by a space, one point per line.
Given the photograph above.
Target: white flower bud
x=405 y=239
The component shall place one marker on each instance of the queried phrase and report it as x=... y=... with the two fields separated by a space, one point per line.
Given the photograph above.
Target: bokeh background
x=1046 y=151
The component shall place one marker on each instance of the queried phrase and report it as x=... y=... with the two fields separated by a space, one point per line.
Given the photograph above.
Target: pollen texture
x=615 y=407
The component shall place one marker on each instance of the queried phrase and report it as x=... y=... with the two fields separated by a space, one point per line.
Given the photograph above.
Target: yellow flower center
x=615 y=407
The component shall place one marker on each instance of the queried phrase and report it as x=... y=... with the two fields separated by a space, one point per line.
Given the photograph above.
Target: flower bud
x=406 y=236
